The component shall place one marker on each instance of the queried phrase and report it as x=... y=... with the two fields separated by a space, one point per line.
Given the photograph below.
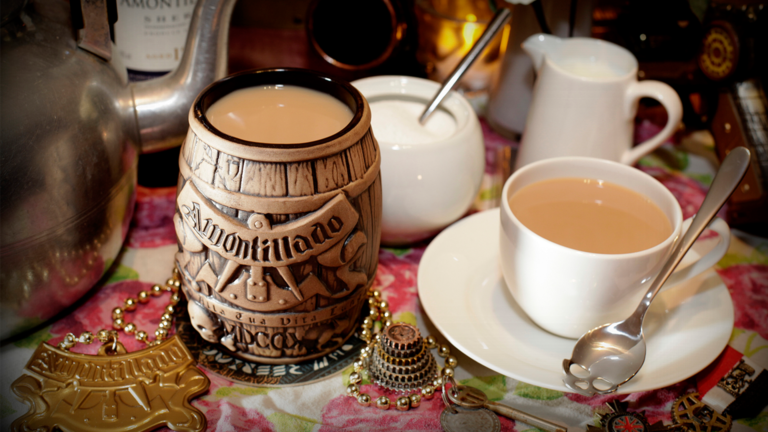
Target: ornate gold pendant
x=113 y=391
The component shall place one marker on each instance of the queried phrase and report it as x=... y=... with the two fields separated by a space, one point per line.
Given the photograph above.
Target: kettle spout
x=162 y=104
x=539 y=45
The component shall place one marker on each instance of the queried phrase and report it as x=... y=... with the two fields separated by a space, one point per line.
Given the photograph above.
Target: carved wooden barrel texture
x=278 y=250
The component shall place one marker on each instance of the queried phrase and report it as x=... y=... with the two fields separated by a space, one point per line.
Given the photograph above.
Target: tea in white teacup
x=591 y=215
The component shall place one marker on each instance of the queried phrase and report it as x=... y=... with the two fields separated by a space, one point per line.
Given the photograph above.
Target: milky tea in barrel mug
x=278 y=213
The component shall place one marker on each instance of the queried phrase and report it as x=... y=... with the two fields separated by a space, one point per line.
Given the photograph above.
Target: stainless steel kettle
x=71 y=129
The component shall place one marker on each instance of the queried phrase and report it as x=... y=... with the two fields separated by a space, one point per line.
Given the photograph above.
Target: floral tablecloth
x=147 y=258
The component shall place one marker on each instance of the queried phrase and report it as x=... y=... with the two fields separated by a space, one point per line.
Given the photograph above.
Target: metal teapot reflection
x=72 y=129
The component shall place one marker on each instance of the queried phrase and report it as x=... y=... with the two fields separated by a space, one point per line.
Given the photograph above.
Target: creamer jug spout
x=540 y=45
x=162 y=104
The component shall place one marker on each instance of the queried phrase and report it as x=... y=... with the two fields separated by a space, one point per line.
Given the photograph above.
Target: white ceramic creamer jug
x=585 y=100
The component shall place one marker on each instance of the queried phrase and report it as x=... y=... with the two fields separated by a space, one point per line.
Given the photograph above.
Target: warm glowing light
x=504 y=40
x=450 y=31
x=446 y=41
x=470 y=32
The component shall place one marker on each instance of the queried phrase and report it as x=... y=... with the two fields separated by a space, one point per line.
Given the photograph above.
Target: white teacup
x=567 y=291
x=425 y=186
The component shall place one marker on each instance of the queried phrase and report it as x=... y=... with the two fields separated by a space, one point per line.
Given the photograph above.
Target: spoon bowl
x=602 y=355
x=609 y=355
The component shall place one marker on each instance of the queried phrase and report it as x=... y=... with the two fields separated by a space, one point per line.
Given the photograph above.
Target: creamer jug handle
x=539 y=45
x=671 y=102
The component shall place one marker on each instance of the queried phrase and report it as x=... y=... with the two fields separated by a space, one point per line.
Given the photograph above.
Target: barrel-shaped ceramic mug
x=278 y=243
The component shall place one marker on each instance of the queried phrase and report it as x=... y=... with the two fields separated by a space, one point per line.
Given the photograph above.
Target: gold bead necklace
x=129 y=305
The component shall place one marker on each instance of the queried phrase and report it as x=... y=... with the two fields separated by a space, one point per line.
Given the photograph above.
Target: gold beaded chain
x=129 y=305
x=379 y=312
x=103 y=336
x=166 y=320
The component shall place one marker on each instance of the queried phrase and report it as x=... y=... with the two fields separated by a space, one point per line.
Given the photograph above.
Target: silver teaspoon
x=610 y=355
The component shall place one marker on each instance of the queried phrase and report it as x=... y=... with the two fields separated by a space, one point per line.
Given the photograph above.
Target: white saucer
x=463 y=293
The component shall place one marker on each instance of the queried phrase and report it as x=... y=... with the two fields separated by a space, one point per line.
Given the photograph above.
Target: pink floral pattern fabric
x=748 y=285
x=152 y=224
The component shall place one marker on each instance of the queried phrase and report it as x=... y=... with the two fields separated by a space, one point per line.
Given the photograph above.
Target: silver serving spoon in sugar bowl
x=497 y=23
x=608 y=356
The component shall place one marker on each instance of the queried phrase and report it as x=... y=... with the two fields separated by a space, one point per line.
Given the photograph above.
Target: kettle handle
x=93 y=21
x=162 y=104
x=668 y=98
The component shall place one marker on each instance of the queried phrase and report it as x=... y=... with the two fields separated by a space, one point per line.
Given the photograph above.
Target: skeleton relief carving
x=206 y=323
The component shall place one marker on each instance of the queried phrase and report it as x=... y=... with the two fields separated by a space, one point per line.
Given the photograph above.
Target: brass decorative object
x=474 y=399
x=621 y=420
x=397 y=359
x=693 y=415
x=400 y=360
x=738 y=379
x=278 y=242
x=114 y=391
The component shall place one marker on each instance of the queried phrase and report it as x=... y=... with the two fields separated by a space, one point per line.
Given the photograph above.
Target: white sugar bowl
x=430 y=174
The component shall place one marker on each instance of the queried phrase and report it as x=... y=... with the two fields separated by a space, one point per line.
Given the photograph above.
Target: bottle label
x=150 y=34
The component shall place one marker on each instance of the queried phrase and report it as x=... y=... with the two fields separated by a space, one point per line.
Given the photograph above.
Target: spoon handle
x=501 y=17
x=729 y=176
